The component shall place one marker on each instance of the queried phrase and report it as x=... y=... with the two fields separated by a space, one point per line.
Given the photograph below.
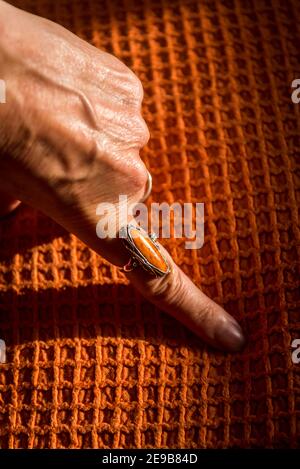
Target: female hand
x=70 y=135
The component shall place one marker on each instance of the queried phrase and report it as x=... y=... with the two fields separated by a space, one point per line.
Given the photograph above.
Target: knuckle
x=142 y=131
x=206 y=311
x=135 y=176
x=137 y=88
x=170 y=288
x=159 y=288
x=141 y=175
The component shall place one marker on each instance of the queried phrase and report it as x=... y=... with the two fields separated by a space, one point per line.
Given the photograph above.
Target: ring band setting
x=148 y=187
x=145 y=251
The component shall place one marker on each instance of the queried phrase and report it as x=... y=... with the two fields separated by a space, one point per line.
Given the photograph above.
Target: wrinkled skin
x=70 y=136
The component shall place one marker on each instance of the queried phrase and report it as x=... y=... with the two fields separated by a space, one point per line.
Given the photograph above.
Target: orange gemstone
x=151 y=252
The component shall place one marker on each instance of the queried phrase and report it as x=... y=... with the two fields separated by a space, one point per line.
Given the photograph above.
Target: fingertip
x=229 y=336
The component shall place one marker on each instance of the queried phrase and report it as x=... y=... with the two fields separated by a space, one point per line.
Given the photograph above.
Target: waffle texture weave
x=92 y=364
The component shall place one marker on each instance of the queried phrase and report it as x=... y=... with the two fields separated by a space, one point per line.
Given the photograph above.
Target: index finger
x=177 y=295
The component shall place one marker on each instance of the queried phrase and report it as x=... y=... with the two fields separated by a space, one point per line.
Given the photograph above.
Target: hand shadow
x=111 y=311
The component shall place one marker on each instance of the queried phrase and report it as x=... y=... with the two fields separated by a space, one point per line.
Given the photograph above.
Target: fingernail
x=229 y=336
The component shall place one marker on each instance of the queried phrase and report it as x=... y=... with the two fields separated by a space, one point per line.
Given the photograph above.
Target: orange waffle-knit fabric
x=92 y=364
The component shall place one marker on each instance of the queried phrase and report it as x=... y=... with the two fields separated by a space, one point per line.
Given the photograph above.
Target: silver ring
x=148 y=187
x=144 y=252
